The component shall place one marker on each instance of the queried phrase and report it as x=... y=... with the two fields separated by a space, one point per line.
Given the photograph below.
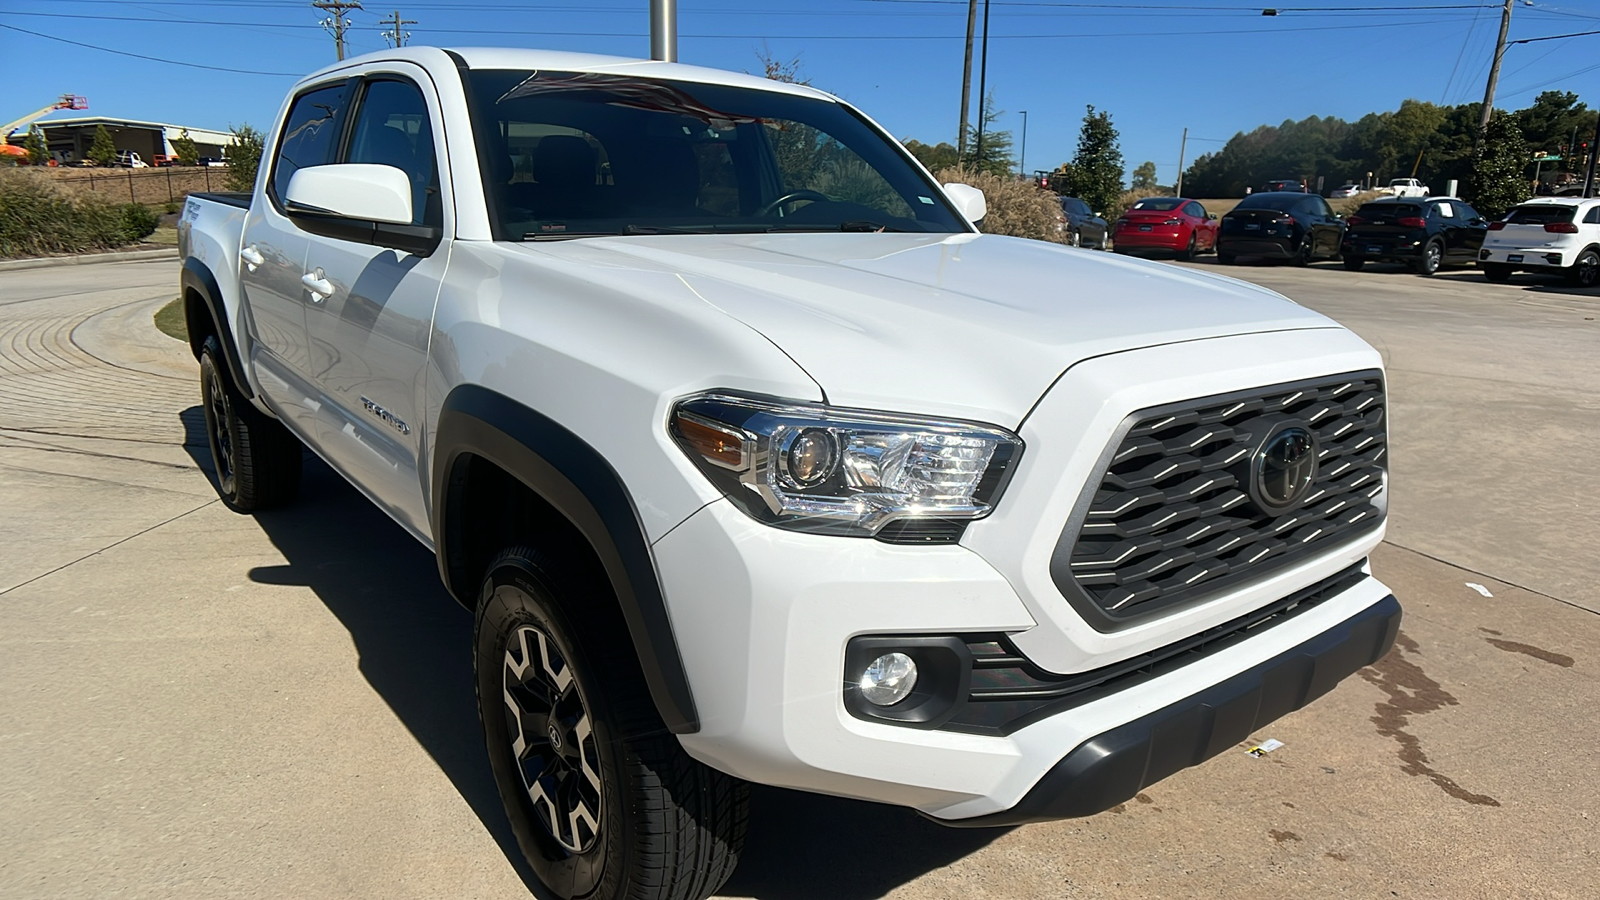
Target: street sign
x=1549 y=157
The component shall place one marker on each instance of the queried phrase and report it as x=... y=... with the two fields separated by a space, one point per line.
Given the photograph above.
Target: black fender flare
x=576 y=480
x=196 y=277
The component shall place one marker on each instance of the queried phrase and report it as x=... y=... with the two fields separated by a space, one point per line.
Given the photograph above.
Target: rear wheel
x=257 y=460
x=1585 y=270
x=603 y=800
x=1305 y=252
x=1498 y=273
x=1354 y=263
x=1428 y=262
x=1188 y=252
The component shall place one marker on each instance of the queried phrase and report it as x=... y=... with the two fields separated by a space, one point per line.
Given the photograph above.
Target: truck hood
x=970 y=326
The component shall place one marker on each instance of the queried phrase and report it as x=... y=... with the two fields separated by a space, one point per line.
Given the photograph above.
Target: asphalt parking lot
x=200 y=704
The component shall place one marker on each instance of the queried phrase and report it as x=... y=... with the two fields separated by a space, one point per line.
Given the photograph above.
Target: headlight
x=843 y=471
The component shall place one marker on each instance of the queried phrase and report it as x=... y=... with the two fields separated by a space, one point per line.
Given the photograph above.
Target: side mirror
x=1211 y=216
x=361 y=202
x=969 y=201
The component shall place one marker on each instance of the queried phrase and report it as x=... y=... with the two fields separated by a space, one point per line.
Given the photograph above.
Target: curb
x=86 y=258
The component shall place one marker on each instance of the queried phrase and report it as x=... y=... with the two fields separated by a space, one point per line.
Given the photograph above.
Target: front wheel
x=257 y=460
x=1432 y=256
x=603 y=800
x=1585 y=270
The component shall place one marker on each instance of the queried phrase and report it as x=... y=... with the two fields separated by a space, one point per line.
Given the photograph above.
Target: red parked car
x=1173 y=224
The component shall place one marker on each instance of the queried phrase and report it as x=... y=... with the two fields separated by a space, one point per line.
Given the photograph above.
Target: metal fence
x=168 y=184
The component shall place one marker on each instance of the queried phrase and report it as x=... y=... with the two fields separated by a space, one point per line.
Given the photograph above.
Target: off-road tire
x=257 y=460
x=1430 y=261
x=1498 y=273
x=1354 y=263
x=669 y=827
x=1585 y=270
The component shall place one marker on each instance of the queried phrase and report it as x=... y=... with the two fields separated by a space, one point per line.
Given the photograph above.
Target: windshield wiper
x=568 y=235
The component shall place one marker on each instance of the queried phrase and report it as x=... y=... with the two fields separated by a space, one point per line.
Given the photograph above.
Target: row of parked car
x=1546 y=234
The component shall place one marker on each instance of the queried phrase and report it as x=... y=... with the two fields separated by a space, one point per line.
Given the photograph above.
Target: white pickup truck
x=1407 y=187
x=756 y=462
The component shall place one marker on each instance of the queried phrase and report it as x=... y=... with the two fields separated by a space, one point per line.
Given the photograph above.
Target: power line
x=170 y=62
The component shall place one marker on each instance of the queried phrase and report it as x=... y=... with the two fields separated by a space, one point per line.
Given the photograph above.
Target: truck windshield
x=581 y=154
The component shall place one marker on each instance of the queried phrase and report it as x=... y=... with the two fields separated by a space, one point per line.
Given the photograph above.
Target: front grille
x=1173 y=520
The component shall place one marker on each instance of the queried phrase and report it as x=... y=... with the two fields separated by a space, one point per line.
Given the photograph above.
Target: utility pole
x=983 y=80
x=1589 y=187
x=1494 y=69
x=966 y=79
x=1022 y=165
x=337 y=23
x=1181 y=148
x=397 y=38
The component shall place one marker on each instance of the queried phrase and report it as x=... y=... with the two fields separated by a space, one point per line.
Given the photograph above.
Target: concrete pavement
x=200 y=704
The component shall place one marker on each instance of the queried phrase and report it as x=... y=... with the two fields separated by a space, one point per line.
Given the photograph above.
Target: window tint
x=1323 y=208
x=1195 y=209
x=1593 y=218
x=1540 y=215
x=1159 y=204
x=1277 y=201
x=1388 y=212
x=310 y=135
x=1075 y=206
x=1467 y=212
x=1445 y=210
x=392 y=129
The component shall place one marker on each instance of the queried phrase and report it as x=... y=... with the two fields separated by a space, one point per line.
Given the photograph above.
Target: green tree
x=1095 y=173
x=103 y=151
x=1497 y=182
x=184 y=150
x=1144 y=177
x=934 y=156
x=244 y=157
x=993 y=153
x=38 y=151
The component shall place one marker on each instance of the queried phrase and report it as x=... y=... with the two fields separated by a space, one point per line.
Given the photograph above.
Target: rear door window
x=1540 y=215
x=1445 y=210
x=310 y=135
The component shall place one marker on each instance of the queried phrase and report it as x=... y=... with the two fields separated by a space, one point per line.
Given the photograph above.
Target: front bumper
x=763 y=618
x=1112 y=767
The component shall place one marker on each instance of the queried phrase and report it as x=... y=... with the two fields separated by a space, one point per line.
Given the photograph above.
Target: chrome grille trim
x=1170 y=522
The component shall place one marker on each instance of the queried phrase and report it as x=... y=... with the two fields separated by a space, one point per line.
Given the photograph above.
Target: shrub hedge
x=40 y=217
x=1017 y=206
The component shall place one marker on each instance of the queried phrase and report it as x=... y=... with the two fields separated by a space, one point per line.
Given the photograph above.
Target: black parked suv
x=1422 y=232
x=1280 y=225
x=1083 y=227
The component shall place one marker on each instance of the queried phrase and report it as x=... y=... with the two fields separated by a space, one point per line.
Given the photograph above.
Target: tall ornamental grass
x=39 y=217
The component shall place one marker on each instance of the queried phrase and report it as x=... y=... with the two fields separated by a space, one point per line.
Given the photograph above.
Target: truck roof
x=564 y=61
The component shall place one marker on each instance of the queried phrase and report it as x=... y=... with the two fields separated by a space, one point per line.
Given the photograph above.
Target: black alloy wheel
x=603 y=800
x=1432 y=256
x=1585 y=270
x=1188 y=252
x=1354 y=263
x=257 y=459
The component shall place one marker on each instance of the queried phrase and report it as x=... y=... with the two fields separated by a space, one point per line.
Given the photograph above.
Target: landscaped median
x=39 y=217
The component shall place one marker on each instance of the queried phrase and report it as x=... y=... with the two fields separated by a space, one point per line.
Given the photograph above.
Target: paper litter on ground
x=1265 y=747
x=1479 y=588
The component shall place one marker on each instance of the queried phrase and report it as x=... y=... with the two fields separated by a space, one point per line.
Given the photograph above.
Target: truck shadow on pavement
x=414 y=643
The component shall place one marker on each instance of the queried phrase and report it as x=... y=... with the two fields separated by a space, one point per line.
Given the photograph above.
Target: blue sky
x=1216 y=66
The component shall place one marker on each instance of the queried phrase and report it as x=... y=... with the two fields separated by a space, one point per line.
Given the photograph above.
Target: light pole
x=1022 y=165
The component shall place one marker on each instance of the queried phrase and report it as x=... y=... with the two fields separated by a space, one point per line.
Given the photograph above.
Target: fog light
x=888 y=679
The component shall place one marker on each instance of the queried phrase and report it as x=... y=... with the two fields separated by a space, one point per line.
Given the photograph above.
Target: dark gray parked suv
x=1083 y=227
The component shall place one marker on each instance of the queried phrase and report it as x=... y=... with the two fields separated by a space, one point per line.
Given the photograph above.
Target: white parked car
x=1549 y=234
x=1344 y=190
x=756 y=462
x=1407 y=187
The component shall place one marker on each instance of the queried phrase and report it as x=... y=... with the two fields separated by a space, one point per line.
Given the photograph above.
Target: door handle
x=318 y=285
x=252 y=257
